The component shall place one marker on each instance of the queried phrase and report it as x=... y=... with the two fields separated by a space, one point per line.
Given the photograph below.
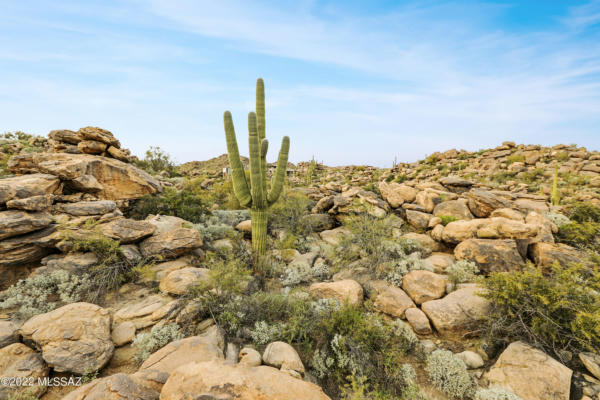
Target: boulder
x=457 y=231
x=318 y=222
x=396 y=194
x=417 y=219
x=530 y=374
x=86 y=184
x=72 y=262
x=123 y=333
x=84 y=208
x=218 y=380
x=22 y=187
x=346 y=290
x=34 y=203
x=419 y=321
x=98 y=135
x=73 y=338
x=334 y=236
x=115 y=387
x=145 y=312
x=545 y=254
x=165 y=223
x=119 y=154
x=471 y=359
x=528 y=205
x=16 y=222
x=171 y=244
x=508 y=213
x=283 y=356
x=8 y=333
x=488 y=228
x=390 y=299
x=459 y=311
x=19 y=361
x=424 y=241
x=245 y=226
x=91 y=147
x=428 y=199
x=491 y=255
x=178 y=282
x=127 y=230
x=119 y=181
x=439 y=262
x=250 y=357
x=65 y=136
x=482 y=202
x=453 y=208
x=423 y=286
x=591 y=362
x=206 y=347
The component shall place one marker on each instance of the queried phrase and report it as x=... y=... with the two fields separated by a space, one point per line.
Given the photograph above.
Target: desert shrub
x=158 y=337
x=495 y=394
x=393 y=271
x=156 y=160
x=449 y=374
x=503 y=177
x=446 y=219
x=532 y=176
x=583 y=235
x=556 y=312
x=558 y=219
x=264 y=333
x=43 y=293
x=23 y=394
x=288 y=211
x=562 y=156
x=584 y=212
x=400 y=178
x=513 y=158
x=462 y=271
x=190 y=203
x=296 y=273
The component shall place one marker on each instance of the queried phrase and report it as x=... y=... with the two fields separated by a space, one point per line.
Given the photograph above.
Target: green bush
x=449 y=374
x=158 y=337
x=191 y=203
x=462 y=271
x=155 y=161
x=583 y=235
x=513 y=158
x=556 y=312
x=446 y=219
x=288 y=211
x=584 y=212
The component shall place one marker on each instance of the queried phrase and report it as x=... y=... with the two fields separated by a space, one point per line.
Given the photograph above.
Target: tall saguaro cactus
x=255 y=196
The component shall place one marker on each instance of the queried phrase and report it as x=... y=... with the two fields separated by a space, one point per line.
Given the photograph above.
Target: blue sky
x=351 y=82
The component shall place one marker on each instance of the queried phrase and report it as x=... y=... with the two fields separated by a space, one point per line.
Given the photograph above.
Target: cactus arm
x=260 y=109
x=256 y=185
x=240 y=185
x=280 y=172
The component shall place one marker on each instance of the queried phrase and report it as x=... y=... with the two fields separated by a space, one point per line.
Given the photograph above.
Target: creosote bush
x=157 y=160
x=288 y=211
x=449 y=374
x=158 y=337
x=556 y=311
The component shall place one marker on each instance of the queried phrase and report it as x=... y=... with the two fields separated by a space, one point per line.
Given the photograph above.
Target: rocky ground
x=110 y=250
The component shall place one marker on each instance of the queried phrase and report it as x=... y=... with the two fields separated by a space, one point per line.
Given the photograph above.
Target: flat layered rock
x=17 y=222
x=171 y=244
x=22 y=187
x=179 y=281
x=84 y=208
x=482 y=202
x=119 y=180
x=128 y=230
x=34 y=203
x=29 y=248
x=99 y=135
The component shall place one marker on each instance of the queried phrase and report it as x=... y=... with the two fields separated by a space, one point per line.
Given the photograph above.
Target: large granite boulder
x=459 y=311
x=390 y=299
x=491 y=255
x=171 y=244
x=545 y=254
x=74 y=338
x=531 y=374
x=117 y=180
x=346 y=290
x=423 y=286
x=482 y=202
x=179 y=281
x=453 y=208
x=116 y=387
x=283 y=356
x=397 y=194
x=218 y=380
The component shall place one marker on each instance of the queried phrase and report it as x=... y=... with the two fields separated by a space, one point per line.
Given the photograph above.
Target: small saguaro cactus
x=255 y=195
x=555 y=194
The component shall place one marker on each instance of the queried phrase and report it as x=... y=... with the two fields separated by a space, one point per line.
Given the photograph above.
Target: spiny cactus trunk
x=259 y=231
x=255 y=196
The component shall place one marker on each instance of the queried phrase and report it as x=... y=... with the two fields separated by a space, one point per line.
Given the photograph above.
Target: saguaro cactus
x=255 y=196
